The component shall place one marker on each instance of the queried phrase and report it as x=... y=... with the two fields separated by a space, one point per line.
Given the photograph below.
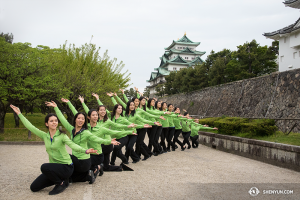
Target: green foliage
x=160 y=90
x=146 y=92
x=8 y=37
x=236 y=125
x=130 y=93
x=250 y=60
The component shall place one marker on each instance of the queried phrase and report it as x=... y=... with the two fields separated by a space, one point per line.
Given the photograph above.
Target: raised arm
x=27 y=124
x=121 y=102
x=72 y=108
x=60 y=116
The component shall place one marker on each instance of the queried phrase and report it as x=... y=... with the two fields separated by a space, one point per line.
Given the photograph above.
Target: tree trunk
x=2 y=116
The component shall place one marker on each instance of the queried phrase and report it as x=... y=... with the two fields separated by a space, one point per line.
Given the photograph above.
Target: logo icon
x=253 y=191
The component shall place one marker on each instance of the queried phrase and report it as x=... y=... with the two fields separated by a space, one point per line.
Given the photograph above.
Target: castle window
x=294 y=55
x=186 y=58
x=281 y=58
x=174 y=68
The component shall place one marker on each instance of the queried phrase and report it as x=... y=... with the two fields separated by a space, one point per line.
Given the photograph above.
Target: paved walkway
x=202 y=173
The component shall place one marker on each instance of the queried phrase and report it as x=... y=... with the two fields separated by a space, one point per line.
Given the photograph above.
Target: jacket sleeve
x=138 y=95
x=113 y=100
x=121 y=102
x=72 y=108
x=72 y=145
x=125 y=98
x=63 y=120
x=143 y=120
x=119 y=134
x=148 y=114
x=32 y=128
x=116 y=125
x=99 y=140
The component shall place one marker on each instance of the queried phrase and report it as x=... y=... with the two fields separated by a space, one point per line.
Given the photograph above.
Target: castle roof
x=286 y=30
x=186 y=51
x=292 y=3
x=183 y=41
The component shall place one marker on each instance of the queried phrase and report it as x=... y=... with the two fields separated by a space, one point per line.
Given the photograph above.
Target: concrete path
x=202 y=173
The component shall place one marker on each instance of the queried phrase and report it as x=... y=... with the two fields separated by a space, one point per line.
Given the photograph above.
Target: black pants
x=186 y=136
x=52 y=173
x=106 y=150
x=129 y=148
x=81 y=169
x=96 y=160
x=195 y=142
x=176 y=135
x=117 y=151
x=163 y=137
x=157 y=147
x=151 y=134
x=170 y=137
x=140 y=146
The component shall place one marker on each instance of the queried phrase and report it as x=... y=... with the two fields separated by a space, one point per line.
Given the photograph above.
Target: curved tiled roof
x=284 y=30
x=292 y=3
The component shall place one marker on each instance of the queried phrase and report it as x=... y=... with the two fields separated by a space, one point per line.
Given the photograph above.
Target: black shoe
x=189 y=147
x=145 y=158
x=112 y=163
x=182 y=149
x=126 y=162
x=135 y=161
x=97 y=172
x=176 y=147
x=173 y=149
x=66 y=182
x=91 y=177
x=150 y=154
x=165 y=151
x=125 y=167
x=70 y=181
x=58 y=189
x=101 y=170
x=168 y=149
x=156 y=154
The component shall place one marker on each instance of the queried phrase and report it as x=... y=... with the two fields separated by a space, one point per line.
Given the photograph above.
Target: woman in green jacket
x=186 y=131
x=178 y=128
x=106 y=129
x=80 y=135
x=195 y=127
x=60 y=166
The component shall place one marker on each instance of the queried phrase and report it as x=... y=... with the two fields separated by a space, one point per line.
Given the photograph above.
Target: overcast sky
x=136 y=31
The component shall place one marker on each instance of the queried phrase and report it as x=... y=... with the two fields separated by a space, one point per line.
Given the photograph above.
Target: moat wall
x=272 y=96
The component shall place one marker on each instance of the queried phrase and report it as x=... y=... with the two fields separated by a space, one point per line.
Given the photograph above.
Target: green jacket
x=138 y=120
x=102 y=129
x=186 y=124
x=56 y=149
x=195 y=127
x=82 y=138
x=177 y=121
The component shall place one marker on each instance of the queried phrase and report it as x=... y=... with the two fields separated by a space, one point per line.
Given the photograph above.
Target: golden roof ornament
x=184 y=33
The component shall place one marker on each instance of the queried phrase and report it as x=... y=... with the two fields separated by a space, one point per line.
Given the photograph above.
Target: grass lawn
x=278 y=137
x=11 y=134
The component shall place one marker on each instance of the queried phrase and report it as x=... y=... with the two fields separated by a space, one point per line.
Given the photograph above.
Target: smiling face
x=159 y=104
x=131 y=107
x=143 y=102
x=79 y=121
x=119 y=109
x=102 y=111
x=170 y=108
x=94 y=117
x=152 y=102
x=177 y=110
x=136 y=102
x=52 y=122
x=164 y=106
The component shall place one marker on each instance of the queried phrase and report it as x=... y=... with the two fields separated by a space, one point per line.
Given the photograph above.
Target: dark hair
x=85 y=120
x=162 y=105
x=134 y=98
x=155 y=105
x=115 y=110
x=127 y=109
x=149 y=102
x=144 y=106
x=169 y=106
x=105 y=116
x=184 y=114
x=47 y=121
x=90 y=113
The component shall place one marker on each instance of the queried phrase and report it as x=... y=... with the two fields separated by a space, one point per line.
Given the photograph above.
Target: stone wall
x=282 y=155
x=272 y=96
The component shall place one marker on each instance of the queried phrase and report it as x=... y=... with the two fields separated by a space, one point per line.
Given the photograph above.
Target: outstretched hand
x=109 y=94
x=122 y=91
x=81 y=99
x=15 y=109
x=133 y=133
x=64 y=100
x=92 y=151
x=51 y=104
x=115 y=142
x=136 y=89
x=95 y=95
x=161 y=117
x=215 y=128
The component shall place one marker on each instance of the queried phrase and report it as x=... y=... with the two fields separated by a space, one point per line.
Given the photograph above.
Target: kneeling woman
x=195 y=127
x=80 y=135
x=60 y=166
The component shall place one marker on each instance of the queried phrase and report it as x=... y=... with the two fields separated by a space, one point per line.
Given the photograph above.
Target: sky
x=137 y=31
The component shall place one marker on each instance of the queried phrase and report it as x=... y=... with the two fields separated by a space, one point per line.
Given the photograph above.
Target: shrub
x=230 y=125
x=259 y=127
x=209 y=121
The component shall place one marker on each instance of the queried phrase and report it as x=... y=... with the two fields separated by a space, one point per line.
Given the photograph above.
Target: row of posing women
x=95 y=138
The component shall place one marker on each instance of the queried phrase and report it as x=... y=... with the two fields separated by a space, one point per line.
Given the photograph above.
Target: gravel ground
x=202 y=173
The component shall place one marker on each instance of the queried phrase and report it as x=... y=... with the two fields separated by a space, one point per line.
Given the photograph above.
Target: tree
x=146 y=92
x=25 y=76
x=8 y=37
x=160 y=90
x=130 y=93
